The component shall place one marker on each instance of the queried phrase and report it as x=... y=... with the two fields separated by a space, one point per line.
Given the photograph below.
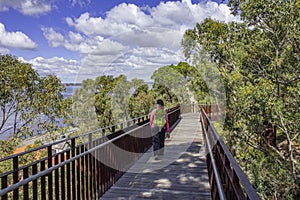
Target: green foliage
x=7 y=148
x=109 y=100
x=32 y=104
x=83 y=107
x=258 y=60
x=181 y=83
x=141 y=100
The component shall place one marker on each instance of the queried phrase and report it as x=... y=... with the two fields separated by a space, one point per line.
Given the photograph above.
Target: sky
x=80 y=39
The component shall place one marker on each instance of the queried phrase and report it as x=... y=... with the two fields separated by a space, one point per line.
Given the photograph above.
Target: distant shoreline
x=72 y=84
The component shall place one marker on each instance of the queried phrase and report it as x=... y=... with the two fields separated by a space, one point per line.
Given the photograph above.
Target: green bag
x=159 y=118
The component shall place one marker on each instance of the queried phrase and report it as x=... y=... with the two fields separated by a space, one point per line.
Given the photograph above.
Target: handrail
x=68 y=139
x=77 y=171
x=49 y=170
x=235 y=182
x=216 y=173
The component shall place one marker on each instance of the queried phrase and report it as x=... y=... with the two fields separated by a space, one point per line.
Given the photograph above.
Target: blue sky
x=79 y=39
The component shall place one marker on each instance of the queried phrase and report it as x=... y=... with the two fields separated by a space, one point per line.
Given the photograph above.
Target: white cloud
x=27 y=7
x=80 y=2
x=15 y=39
x=54 y=38
x=96 y=45
x=129 y=14
x=160 y=26
x=64 y=69
x=132 y=40
x=134 y=63
x=75 y=38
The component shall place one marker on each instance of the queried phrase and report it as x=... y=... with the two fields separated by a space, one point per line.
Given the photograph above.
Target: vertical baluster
x=43 y=180
x=68 y=171
x=25 y=187
x=94 y=188
x=97 y=172
x=86 y=173
x=78 y=183
x=62 y=177
x=34 y=183
x=56 y=178
x=90 y=169
x=73 y=144
x=50 y=186
x=16 y=176
x=82 y=174
x=4 y=185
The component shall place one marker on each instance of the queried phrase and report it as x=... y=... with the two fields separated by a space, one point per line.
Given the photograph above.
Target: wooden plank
x=180 y=174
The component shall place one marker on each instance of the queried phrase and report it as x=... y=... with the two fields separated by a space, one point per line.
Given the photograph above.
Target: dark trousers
x=158 y=140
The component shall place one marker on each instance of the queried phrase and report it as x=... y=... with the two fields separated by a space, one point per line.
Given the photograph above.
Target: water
x=70 y=90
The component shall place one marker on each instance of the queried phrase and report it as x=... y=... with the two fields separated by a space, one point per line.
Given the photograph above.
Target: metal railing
x=80 y=171
x=226 y=178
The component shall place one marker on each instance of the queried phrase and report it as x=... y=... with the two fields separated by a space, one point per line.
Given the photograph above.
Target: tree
x=83 y=107
x=29 y=104
x=181 y=83
x=142 y=100
x=109 y=100
x=196 y=87
x=169 y=85
x=103 y=100
x=258 y=59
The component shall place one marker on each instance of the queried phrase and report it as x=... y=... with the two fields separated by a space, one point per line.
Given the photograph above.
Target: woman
x=159 y=124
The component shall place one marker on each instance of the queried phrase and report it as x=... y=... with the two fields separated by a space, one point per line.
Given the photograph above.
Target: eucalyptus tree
x=29 y=104
x=169 y=85
x=83 y=107
x=258 y=59
x=141 y=99
x=181 y=83
x=103 y=103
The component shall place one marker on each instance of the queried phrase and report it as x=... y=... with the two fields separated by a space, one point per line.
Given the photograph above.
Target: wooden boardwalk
x=180 y=174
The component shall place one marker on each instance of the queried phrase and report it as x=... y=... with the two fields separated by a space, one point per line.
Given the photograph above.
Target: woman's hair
x=160 y=102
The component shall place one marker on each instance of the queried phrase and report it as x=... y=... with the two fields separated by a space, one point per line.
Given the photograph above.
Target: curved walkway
x=180 y=174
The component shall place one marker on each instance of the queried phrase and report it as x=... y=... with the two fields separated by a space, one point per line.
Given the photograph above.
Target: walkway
x=180 y=174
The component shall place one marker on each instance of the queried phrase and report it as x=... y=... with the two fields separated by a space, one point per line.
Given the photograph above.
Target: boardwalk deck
x=180 y=174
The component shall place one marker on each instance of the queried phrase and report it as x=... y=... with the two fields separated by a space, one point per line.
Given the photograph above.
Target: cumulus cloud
x=15 y=39
x=27 y=7
x=160 y=26
x=84 y=45
x=134 y=63
x=66 y=70
x=134 y=40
